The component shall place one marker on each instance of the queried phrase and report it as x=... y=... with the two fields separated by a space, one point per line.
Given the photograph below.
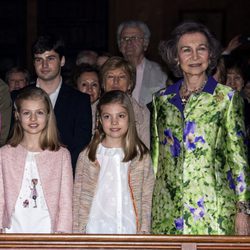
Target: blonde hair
x=49 y=138
x=132 y=145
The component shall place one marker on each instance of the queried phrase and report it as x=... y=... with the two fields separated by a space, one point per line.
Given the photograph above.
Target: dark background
x=91 y=24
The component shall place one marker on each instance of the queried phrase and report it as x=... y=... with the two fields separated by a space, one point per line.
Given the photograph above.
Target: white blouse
x=31 y=214
x=112 y=209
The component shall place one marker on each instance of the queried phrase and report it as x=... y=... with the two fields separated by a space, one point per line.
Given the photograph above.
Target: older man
x=133 y=40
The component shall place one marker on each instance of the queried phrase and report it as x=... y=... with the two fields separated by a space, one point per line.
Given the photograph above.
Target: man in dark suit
x=72 y=108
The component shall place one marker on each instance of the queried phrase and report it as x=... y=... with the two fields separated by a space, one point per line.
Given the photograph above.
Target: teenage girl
x=114 y=175
x=36 y=180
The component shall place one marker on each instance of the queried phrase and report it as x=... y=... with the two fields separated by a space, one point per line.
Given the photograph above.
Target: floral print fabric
x=199 y=157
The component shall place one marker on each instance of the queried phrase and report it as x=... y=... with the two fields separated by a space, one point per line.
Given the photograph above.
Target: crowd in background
x=119 y=146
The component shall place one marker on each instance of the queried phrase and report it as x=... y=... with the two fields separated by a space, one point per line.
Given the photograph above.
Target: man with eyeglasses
x=133 y=40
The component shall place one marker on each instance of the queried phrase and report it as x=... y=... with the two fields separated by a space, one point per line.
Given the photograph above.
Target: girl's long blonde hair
x=132 y=145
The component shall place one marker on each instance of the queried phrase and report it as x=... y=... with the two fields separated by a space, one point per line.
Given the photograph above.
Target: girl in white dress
x=114 y=175
x=36 y=180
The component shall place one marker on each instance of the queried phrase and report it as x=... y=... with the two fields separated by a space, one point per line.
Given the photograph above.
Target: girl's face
x=234 y=80
x=33 y=116
x=88 y=82
x=114 y=120
x=117 y=79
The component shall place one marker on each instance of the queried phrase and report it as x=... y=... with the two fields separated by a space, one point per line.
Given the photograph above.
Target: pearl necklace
x=185 y=93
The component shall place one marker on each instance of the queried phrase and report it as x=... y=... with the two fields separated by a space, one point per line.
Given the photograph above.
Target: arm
x=84 y=190
x=64 y=220
x=147 y=193
x=236 y=158
x=77 y=193
x=1 y=194
x=154 y=135
x=5 y=112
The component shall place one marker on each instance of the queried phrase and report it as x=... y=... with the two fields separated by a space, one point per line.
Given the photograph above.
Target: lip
x=33 y=125
x=195 y=65
x=115 y=129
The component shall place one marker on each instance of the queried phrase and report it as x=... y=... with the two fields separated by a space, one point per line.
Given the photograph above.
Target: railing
x=74 y=241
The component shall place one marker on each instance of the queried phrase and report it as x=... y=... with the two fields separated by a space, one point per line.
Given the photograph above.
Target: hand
x=242 y=224
x=232 y=45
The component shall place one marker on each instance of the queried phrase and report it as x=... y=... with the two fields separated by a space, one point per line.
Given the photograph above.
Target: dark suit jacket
x=74 y=119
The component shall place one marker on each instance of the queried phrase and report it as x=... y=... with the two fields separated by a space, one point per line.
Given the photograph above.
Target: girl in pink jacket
x=35 y=171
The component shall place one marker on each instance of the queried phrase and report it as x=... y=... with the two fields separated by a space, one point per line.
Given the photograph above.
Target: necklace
x=185 y=93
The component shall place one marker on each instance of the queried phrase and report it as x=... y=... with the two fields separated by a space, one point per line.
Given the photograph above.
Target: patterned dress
x=200 y=161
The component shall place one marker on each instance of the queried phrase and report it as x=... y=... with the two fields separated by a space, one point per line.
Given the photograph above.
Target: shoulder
x=137 y=106
x=73 y=94
x=3 y=87
x=152 y=64
x=13 y=152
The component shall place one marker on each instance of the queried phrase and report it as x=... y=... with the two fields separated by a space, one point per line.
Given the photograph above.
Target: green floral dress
x=200 y=161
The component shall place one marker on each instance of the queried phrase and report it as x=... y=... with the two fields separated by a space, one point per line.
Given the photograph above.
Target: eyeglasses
x=133 y=39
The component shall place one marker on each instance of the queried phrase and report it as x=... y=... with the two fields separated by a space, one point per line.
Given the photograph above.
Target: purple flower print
x=189 y=136
x=179 y=222
x=230 y=180
x=198 y=212
x=174 y=143
x=230 y=94
x=238 y=185
x=241 y=186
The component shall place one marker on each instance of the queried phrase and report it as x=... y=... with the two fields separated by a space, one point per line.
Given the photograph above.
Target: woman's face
x=235 y=80
x=193 y=54
x=116 y=79
x=88 y=82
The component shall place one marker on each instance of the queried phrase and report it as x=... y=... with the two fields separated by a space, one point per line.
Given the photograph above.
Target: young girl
x=114 y=175
x=36 y=180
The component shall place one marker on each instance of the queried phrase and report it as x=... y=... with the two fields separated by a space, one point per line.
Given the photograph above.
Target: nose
x=195 y=55
x=33 y=116
x=114 y=121
x=45 y=63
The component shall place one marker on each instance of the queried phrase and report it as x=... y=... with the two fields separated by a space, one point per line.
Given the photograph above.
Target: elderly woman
x=197 y=147
x=86 y=79
x=118 y=74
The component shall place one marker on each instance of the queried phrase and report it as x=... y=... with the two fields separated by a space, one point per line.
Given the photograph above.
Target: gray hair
x=134 y=24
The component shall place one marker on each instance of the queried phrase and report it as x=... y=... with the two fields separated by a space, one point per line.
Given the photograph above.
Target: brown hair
x=49 y=136
x=169 y=52
x=132 y=145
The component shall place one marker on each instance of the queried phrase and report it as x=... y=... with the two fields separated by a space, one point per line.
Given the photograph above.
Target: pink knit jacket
x=55 y=171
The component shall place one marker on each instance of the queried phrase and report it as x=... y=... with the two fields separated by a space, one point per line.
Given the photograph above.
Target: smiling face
x=193 y=54
x=88 y=82
x=114 y=120
x=235 y=79
x=33 y=116
x=48 y=65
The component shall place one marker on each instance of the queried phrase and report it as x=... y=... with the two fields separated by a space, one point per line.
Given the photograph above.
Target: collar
x=174 y=89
